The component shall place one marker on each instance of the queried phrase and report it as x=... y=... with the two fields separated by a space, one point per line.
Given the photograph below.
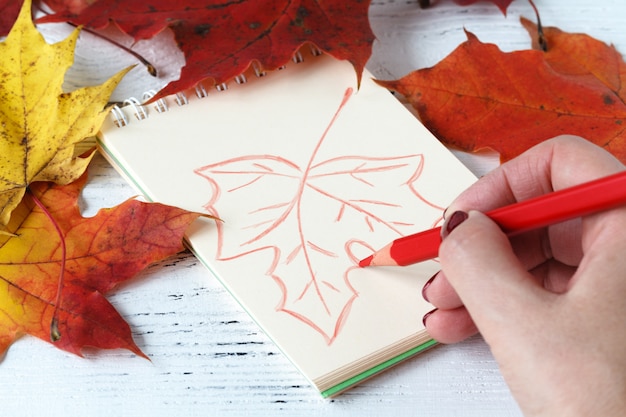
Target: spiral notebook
x=309 y=173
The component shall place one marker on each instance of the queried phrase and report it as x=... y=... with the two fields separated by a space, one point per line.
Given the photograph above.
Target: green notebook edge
x=377 y=369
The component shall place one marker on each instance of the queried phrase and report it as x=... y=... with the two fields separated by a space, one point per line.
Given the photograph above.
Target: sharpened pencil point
x=366 y=262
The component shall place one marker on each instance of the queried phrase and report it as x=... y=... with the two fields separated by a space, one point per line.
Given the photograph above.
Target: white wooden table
x=207 y=357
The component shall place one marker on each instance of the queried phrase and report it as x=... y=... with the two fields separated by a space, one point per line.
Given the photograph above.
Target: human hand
x=550 y=303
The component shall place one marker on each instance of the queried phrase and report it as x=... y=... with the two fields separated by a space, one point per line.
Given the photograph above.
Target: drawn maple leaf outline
x=311 y=218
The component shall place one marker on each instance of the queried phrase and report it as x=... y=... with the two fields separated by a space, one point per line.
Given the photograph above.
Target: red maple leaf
x=222 y=39
x=9 y=9
x=356 y=197
x=102 y=252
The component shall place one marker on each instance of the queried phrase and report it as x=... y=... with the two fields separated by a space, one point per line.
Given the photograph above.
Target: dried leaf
x=221 y=40
x=102 y=252
x=480 y=97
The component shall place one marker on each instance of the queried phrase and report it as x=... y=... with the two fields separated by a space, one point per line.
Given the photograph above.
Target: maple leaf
x=480 y=97
x=102 y=252
x=220 y=40
x=354 y=196
x=39 y=124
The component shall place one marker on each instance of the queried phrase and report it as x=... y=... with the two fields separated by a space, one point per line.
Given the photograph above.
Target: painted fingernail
x=425 y=287
x=426 y=316
x=452 y=222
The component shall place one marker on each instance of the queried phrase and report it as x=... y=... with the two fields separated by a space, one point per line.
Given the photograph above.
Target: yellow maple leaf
x=39 y=123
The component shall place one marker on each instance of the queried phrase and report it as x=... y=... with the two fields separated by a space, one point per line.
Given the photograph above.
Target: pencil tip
x=366 y=262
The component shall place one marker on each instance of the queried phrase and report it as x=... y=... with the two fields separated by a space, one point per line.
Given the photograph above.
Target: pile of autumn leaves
x=56 y=265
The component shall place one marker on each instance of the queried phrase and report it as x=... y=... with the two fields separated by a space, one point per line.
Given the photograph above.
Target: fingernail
x=425 y=287
x=426 y=316
x=452 y=222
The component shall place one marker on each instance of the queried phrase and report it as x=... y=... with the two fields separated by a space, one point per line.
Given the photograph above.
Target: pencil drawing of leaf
x=309 y=215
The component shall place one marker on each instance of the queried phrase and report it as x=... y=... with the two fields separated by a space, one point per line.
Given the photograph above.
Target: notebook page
x=309 y=173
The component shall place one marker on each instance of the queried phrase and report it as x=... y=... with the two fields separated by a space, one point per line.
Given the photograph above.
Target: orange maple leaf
x=102 y=252
x=480 y=97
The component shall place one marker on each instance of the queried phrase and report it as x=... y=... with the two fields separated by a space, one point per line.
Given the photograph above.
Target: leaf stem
x=541 y=39
x=55 y=334
x=149 y=67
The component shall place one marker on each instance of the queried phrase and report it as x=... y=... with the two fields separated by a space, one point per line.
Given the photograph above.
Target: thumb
x=479 y=262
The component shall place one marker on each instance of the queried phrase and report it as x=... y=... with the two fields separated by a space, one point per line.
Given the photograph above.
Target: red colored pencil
x=591 y=197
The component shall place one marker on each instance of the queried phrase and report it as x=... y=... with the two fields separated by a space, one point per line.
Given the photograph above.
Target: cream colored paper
x=309 y=174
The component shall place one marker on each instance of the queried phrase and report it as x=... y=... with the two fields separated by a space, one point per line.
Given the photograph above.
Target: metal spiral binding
x=258 y=71
x=181 y=99
x=119 y=118
x=201 y=91
x=297 y=57
x=140 y=110
x=160 y=105
x=315 y=51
